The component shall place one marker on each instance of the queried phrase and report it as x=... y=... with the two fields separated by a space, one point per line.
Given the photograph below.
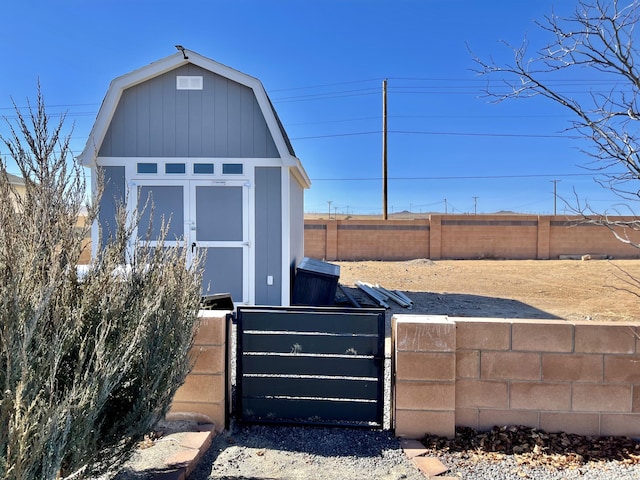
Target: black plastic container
x=315 y=283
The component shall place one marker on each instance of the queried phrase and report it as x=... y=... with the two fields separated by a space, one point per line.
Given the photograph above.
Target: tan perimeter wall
x=203 y=394
x=576 y=377
x=463 y=237
x=581 y=378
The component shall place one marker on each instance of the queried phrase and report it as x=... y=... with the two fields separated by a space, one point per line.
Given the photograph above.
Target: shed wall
x=296 y=225
x=268 y=251
x=113 y=196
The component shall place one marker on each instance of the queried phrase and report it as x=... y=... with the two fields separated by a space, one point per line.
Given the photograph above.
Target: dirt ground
x=597 y=290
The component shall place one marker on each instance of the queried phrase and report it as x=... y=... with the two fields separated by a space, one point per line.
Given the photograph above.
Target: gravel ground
x=291 y=453
x=508 y=469
x=516 y=452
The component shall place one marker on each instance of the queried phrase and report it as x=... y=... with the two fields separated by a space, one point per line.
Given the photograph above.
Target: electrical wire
x=457 y=134
x=463 y=177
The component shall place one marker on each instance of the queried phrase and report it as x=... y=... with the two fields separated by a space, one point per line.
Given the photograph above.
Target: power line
x=322 y=96
x=62 y=105
x=446 y=84
x=459 y=134
x=344 y=120
x=439 y=116
x=481 y=134
x=324 y=85
x=57 y=115
x=565 y=81
x=462 y=177
x=336 y=135
x=465 y=115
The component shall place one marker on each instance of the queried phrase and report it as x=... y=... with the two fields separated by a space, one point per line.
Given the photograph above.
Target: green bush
x=87 y=366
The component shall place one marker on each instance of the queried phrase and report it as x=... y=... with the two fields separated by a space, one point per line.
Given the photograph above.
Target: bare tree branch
x=598 y=38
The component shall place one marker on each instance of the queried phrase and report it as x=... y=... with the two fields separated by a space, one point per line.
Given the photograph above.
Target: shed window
x=147 y=168
x=189 y=82
x=174 y=168
x=203 y=168
x=232 y=169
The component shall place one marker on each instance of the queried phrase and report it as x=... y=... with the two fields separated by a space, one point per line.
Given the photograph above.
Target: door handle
x=193 y=247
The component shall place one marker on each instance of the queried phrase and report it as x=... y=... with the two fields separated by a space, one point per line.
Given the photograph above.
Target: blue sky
x=323 y=63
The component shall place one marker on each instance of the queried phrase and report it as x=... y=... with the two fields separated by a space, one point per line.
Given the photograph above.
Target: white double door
x=204 y=215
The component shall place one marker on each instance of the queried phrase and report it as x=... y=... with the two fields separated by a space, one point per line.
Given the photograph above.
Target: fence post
x=544 y=240
x=435 y=237
x=332 y=240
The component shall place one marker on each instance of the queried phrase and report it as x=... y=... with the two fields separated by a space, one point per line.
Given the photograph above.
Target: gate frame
x=378 y=359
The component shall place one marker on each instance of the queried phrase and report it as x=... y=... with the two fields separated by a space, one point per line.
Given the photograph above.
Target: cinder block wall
x=204 y=393
x=463 y=237
x=588 y=238
x=315 y=239
x=393 y=240
x=575 y=377
x=425 y=375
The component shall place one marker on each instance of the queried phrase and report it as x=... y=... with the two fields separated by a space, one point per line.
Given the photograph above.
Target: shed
x=17 y=183
x=204 y=142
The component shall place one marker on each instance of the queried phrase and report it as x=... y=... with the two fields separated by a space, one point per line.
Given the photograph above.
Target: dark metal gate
x=310 y=365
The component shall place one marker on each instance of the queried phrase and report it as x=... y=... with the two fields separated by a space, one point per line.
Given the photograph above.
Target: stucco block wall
x=204 y=392
x=566 y=238
x=366 y=239
x=478 y=237
x=424 y=395
x=315 y=239
x=395 y=240
x=463 y=237
x=577 y=377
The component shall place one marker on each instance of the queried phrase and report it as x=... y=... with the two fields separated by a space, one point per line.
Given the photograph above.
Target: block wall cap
x=405 y=318
x=501 y=321
x=213 y=313
x=538 y=321
x=583 y=323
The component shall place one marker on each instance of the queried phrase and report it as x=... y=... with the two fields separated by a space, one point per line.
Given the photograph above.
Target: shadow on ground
x=454 y=305
x=232 y=452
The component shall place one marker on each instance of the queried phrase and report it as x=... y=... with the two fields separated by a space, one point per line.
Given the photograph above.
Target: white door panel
x=202 y=215
x=219 y=216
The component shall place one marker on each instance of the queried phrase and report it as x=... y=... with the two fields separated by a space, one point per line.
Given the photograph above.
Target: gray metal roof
x=15 y=180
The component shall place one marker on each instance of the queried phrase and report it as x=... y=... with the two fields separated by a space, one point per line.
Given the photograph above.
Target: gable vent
x=191 y=82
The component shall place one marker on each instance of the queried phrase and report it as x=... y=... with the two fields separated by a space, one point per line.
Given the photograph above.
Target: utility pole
x=475 y=205
x=555 y=195
x=384 y=149
x=329 y=202
x=445 y=206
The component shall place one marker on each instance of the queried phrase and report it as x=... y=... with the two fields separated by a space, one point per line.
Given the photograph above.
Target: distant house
x=20 y=189
x=204 y=143
x=17 y=183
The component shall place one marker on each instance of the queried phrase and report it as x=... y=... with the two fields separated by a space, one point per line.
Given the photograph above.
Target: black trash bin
x=315 y=283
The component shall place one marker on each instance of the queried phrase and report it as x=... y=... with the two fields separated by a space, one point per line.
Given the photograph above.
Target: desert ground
x=593 y=290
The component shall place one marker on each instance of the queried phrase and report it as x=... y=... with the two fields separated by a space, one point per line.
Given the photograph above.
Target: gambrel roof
x=15 y=180
x=167 y=64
